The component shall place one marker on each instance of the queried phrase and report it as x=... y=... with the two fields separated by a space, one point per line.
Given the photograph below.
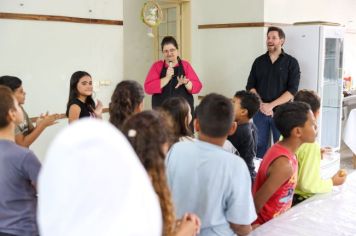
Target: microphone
x=170 y=64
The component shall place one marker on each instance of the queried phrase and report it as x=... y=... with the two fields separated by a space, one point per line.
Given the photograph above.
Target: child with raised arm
x=309 y=157
x=25 y=132
x=19 y=169
x=277 y=176
x=80 y=102
x=206 y=179
x=246 y=104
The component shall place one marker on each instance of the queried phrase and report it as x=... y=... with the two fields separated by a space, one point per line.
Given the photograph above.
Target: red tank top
x=281 y=200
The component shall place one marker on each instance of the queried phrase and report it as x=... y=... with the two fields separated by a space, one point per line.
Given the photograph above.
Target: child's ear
x=11 y=115
x=139 y=108
x=297 y=132
x=232 y=128
x=196 y=125
x=244 y=112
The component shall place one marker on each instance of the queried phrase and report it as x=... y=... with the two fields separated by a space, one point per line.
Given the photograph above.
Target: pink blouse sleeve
x=192 y=76
x=152 y=83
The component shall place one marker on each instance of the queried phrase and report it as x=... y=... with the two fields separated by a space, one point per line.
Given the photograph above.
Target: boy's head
x=215 y=116
x=15 y=84
x=295 y=119
x=310 y=97
x=9 y=108
x=246 y=104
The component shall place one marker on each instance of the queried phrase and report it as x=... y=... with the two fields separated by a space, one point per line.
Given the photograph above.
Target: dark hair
x=249 y=101
x=73 y=91
x=10 y=81
x=279 y=30
x=127 y=95
x=178 y=108
x=169 y=40
x=215 y=114
x=290 y=115
x=310 y=97
x=7 y=103
x=147 y=132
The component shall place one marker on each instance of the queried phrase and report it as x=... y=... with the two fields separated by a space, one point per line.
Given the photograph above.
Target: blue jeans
x=264 y=126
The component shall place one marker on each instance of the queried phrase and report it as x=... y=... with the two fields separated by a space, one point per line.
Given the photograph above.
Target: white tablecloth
x=331 y=214
x=350 y=131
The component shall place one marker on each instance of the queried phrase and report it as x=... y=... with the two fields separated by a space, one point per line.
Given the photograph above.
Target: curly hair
x=148 y=132
x=127 y=96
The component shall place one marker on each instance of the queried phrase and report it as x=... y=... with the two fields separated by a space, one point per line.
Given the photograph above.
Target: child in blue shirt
x=209 y=181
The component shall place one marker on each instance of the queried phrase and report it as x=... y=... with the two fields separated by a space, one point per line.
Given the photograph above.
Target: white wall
x=138 y=49
x=342 y=12
x=223 y=57
x=45 y=54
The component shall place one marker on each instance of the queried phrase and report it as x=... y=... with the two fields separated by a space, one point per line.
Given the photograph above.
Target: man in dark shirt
x=275 y=78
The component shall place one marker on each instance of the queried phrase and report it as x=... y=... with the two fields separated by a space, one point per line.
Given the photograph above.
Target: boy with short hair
x=25 y=132
x=309 y=156
x=246 y=104
x=19 y=169
x=277 y=176
x=209 y=181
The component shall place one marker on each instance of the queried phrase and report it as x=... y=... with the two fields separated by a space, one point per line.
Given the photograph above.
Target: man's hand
x=267 y=109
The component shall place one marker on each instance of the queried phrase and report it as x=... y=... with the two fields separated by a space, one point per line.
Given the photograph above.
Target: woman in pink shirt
x=171 y=77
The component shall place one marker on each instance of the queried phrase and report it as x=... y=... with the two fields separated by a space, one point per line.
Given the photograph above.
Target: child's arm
x=279 y=171
x=339 y=178
x=74 y=112
x=43 y=122
x=241 y=230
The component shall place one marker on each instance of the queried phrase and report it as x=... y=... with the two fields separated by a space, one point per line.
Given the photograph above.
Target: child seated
x=244 y=139
x=209 y=181
x=277 y=176
x=25 y=132
x=309 y=156
x=19 y=169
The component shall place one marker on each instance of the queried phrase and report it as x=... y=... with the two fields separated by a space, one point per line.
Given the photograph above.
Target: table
x=330 y=214
x=350 y=134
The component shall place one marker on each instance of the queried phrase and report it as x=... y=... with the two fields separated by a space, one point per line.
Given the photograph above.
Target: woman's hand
x=169 y=72
x=182 y=81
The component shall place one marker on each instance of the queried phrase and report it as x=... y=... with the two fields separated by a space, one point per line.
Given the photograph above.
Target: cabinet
x=319 y=51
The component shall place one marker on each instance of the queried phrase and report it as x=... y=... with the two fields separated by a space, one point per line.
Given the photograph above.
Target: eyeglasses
x=169 y=51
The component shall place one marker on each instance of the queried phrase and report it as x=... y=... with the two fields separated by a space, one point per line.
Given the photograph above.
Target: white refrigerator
x=319 y=51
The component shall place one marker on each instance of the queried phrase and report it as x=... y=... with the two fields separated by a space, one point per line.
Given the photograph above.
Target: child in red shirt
x=277 y=176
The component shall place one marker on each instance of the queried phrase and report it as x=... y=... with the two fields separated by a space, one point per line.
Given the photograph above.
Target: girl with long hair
x=80 y=102
x=150 y=134
x=180 y=112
